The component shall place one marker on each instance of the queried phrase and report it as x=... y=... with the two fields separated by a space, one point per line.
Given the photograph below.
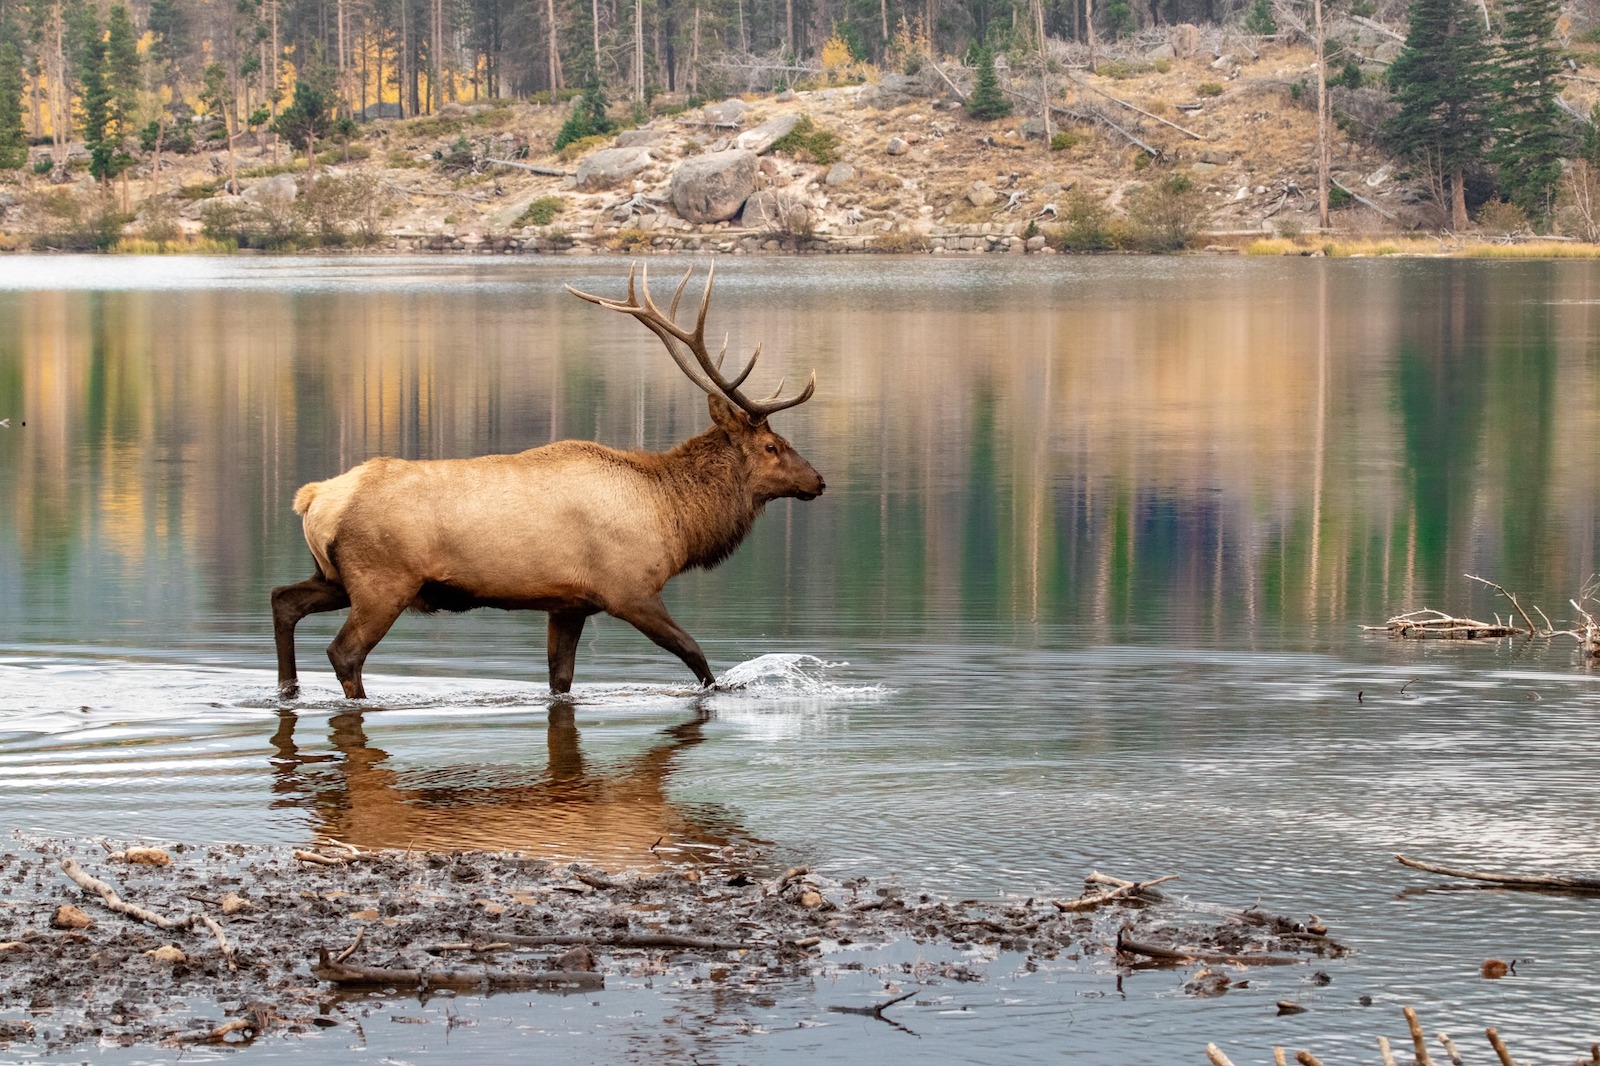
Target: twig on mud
x=1095 y=877
x=325 y=969
x=1545 y=882
x=354 y=944
x=1083 y=903
x=477 y=948
x=109 y=897
x=625 y=940
x=319 y=860
x=222 y=939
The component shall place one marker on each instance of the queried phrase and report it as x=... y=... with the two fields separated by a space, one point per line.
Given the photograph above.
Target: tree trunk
x=1458 y=200
x=436 y=57
x=1088 y=25
x=1044 y=71
x=403 y=93
x=788 y=27
x=594 y=19
x=344 y=73
x=638 y=49
x=1322 y=120
x=694 y=56
x=555 y=51
x=60 y=100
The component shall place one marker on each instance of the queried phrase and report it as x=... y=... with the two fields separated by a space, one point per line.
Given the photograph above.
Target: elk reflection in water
x=615 y=813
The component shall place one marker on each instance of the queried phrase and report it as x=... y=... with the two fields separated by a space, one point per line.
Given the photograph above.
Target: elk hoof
x=288 y=690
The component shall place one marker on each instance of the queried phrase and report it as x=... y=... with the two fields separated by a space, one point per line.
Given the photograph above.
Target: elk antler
x=696 y=362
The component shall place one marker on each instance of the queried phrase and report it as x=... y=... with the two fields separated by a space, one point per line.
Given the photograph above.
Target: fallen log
x=1128 y=946
x=624 y=940
x=109 y=897
x=325 y=969
x=1131 y=888
x=1544 y=882
x=549 y=172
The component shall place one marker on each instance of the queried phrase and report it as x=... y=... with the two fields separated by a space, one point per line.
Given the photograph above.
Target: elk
x=572 y=528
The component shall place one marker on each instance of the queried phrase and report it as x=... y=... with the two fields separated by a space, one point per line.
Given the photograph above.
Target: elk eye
x=772 y=449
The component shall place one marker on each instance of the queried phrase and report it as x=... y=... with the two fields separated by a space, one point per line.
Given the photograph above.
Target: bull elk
x=572 y=528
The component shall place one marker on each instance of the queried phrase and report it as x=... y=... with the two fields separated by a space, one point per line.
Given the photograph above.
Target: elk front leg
x=371 y=614
x=566 y=629
x=290 y=603
x=650 y=617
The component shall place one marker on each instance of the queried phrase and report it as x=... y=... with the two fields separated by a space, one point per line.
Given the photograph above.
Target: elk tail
x=303 y=498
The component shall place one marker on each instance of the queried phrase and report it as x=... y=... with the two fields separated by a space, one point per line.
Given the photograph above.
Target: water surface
x=1084 y=592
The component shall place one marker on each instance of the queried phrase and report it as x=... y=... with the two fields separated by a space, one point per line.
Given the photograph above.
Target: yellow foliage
x=836 y=57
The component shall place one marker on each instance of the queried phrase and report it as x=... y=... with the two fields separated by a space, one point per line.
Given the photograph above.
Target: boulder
x=893 y=90
x=840 y=173
x=761 y=138
x=896 y=146
x=639 y=138
x=980 y=195
x=713 y=187
x=280 y=188
x=774 y=211
x=1185 y=40
x=1164 y=50
x=727 y=113
x=610 y=167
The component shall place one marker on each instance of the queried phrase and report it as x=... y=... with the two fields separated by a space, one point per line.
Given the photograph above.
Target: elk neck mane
x=712 y=508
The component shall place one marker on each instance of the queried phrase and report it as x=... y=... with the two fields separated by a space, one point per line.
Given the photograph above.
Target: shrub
x=1498 y=216
x=1350 y=77
x=899 y=242
x=541 y=212
x=630 y=240
x=575 y=149
x=1209 y=88
x=1062 y=140
x=1086 y=226
x=339 y=211
x=1338 y=198
x=1167 y=213
x=808 y=142
x=1260 y=21
x=588 y=119
x=57 y=220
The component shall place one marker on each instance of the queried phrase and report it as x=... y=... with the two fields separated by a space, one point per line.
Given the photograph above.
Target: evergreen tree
x=97 y=103
x=309 y=116
x=124 y=69
x=1443 y=84
x=13 y=137
x=987 y=101
x=589 y=117
x=1529 y=140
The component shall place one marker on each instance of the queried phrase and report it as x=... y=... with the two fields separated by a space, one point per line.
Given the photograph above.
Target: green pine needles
x=987 y=101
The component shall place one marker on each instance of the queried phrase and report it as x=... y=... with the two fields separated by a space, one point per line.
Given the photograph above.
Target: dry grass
x=1532 y=250
x=1273 y=246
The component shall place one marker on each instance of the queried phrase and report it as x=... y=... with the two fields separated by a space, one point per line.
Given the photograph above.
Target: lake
x=1084 y=592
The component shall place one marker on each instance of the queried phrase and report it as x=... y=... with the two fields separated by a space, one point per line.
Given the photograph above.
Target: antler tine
x=687 y=274
x=705 y=305
x=751 y=365
x=765 y=408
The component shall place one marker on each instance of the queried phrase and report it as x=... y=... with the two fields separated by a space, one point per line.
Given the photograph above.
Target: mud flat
x=182 y=945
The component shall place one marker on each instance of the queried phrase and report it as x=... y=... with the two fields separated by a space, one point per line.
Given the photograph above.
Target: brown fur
x=572 y=528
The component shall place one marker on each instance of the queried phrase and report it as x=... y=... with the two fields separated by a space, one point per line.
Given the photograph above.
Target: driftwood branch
x=109 y=897
x=877 y=1009
x=959 y=94
x=1501 y=589
x=222 y=940
x=1083 y=903
x=325 y=969
x=1419 y=1044
x=1128 y=946
x=1165 y=122
x=1362 y=200
x=1546 y=882
x=1428 y=622
x=549 y=172
x=624 y=940
x=1215 y=1056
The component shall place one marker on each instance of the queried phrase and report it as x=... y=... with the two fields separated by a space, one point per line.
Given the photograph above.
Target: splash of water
x=790 y=675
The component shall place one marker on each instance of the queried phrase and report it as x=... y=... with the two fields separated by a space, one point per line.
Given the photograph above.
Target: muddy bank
x=232 y=944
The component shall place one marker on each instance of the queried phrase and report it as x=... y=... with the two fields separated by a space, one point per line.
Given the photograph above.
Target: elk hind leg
x=650 y=617
x=566 y=629
x=290 y=603
x=372 y=612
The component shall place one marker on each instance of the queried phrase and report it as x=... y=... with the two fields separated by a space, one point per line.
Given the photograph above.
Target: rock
x=610 y=167
x=1035 y=243
x=1223 y=62
x=840 y=173
x=452 y=110
x=980 y=195
x=1216 y=159
x=69 y=917
x=811 y=899
x=774 y=211
x=168 y=953
x=579 y=958
x=784 y=97
x=144 y=856
x=1164 y=50
x=7 y=199
x=896 y=146
x=713 y=187
x=761 y=138
x=897 y=90
x=727 y=113
x=1379 y=176
x=639 y=138
x=1032 y=129
x=1185 y=40
x=1387 y=52
x=279 y=189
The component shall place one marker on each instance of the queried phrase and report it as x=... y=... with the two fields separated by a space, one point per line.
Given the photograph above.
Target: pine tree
x=13 y=137
x=1529 y=142
x=309 y=116
x=1443 y=83
x=987 y=101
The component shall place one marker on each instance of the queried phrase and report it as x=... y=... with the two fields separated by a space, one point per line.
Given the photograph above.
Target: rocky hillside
x=894 y=164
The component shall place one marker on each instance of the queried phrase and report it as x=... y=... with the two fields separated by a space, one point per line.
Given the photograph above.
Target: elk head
x=775 y=470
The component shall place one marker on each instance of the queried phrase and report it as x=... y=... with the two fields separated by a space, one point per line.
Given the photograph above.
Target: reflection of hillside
x=1206 y=440
x=617 y=815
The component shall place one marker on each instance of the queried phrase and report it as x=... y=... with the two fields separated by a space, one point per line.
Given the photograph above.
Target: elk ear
x=728 y=417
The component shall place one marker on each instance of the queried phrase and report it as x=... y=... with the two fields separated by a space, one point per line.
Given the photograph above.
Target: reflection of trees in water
x=1167 y=448
x=620 y=813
